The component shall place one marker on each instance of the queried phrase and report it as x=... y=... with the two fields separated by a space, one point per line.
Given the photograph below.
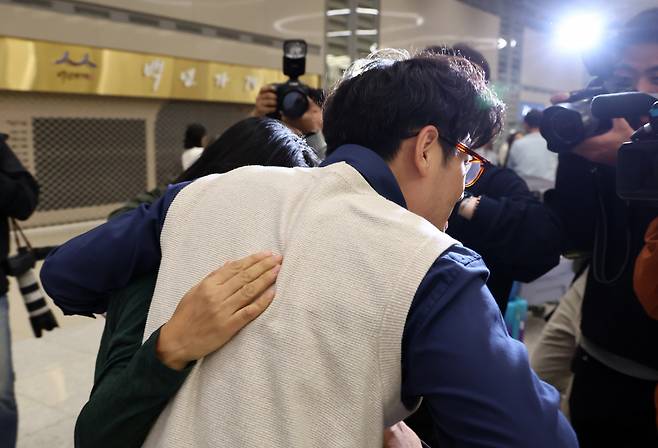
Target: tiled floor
x=54 y=375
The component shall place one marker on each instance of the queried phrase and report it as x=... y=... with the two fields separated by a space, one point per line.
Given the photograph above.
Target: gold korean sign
x=27 y=65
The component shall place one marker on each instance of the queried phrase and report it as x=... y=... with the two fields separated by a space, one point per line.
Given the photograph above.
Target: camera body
x=590 y=113
x=637 y=171
x=637 y=163
x=292 y=95
x=292 y=98
x=567 y=124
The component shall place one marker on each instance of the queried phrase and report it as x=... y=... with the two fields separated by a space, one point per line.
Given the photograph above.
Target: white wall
x=271 y=17
x=32 y=23
x=416 y=24
x=544 y=65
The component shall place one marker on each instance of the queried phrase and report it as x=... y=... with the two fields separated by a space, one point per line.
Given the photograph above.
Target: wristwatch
x=467 y=207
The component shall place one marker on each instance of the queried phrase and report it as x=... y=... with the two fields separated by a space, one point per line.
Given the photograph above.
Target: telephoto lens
x=41 y=317
x=565 y=125
x=294 y=102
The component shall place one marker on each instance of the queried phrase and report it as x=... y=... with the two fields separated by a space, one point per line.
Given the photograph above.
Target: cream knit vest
x=321 y=367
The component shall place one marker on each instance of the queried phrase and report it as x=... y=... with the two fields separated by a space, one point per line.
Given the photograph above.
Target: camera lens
x=294 y=104
x=568 y=126
x=562 y=128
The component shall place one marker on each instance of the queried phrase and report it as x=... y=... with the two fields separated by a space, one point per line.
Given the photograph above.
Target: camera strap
x=18 y=234
x=600 y=254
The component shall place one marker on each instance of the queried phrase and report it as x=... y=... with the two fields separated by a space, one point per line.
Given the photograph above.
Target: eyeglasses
x=474 y=165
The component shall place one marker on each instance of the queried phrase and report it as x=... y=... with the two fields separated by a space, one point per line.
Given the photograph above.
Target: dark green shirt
x=131 y=385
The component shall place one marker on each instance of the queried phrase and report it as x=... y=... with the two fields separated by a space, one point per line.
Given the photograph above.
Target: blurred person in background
x=503 y=155
x=19 y=193
x=616 y=364
x=529 y=156
x=554 y=350
x=196 y=138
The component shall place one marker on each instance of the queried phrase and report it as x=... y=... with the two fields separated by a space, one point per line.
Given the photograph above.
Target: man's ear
x=424 y=158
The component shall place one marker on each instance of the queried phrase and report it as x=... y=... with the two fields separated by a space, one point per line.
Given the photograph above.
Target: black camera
x=588 y=113
x=637 y=162
x=567 y=124
x=292 y=96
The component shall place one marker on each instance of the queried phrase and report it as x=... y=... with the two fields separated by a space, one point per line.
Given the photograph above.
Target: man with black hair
x=529 y=156
x=392 y=309
x=502 y=220
x=516 y=235
x=465 y=51
x=18 y=198
x=616 y=366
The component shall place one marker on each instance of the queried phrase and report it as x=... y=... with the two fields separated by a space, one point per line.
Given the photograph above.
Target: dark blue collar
x=372 y=167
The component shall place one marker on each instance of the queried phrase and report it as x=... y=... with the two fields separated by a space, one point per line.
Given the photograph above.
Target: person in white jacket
x=196 y=138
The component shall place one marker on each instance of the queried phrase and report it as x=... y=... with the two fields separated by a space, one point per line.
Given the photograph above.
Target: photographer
x=616 y=365
x=18 y=199
x=309 y=124
x=298 y=105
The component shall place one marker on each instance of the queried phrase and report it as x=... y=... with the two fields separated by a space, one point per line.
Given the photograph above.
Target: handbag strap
x=18 y=231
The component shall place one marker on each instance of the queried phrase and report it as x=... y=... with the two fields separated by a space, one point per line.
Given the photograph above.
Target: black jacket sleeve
x=511 y=229
x=574 y=200
x=19 y=192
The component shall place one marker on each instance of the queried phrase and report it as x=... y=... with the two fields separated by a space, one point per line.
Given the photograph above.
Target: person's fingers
x=266 y=88
x=232 y=268
x=267 y=97
x=269 y=104
x=252 y=290
x=250 y=312
x=246 y=276
x=621 y=125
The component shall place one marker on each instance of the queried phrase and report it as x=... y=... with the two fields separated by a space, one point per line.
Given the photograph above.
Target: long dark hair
x=252 y=141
